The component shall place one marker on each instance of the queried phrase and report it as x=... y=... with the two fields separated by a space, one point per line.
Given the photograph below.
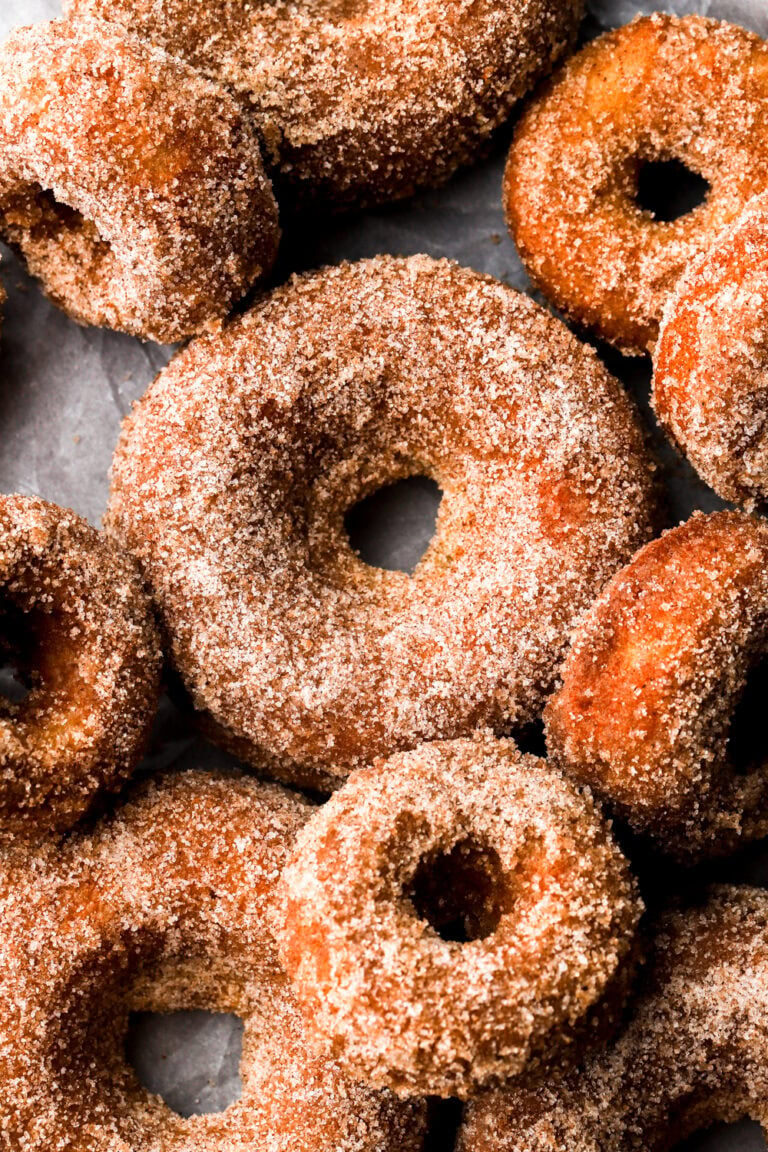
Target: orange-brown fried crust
x=660 y=88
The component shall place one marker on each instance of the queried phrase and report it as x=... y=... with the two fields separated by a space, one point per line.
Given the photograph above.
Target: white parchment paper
x=64 y=391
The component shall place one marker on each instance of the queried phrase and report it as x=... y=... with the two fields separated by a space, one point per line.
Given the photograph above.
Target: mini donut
x=483 y=834
x=362 y=100
x=233 y=475
x=131 y=185
x=710 y=383
x=163 y=909
x=661 y=88
x=654 y=676
x=694 y=1051
x=78 y=629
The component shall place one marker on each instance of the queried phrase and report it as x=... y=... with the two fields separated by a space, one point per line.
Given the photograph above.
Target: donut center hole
x=57 y=241
x=668 y=189
x=191 y=1060
x=392 y=528
x=19 y=646
x=748 y=734
x=745 y=1136
x=460 y=893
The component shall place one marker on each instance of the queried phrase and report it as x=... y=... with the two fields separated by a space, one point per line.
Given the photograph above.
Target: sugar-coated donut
x=655 y=673
x=661 y=88
x=131 y=185
x=362 y=100
x=163 y=909
x=710 y=383
x=693 y=1052
x=77 y=627
x=470 y=830
x=233 y=475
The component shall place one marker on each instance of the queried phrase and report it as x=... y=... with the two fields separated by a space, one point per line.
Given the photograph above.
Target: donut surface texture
x=131 y=185
x=234 y=473
x=77 y=628
x=661 y=88
x=710 y=382
x=164 y=909
x=653 y=682
x=466 y=830
x=362 y=100
x=693 y=1052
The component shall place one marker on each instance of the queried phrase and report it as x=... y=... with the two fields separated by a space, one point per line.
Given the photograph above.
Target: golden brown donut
x=467 y=830
x=362 y=100
x=710 y=382
x=165 y=908
x=132 y=187
x=78 y=629
x=693 y=1052
x=660 y=88
x=233 y=475
x=655 y=673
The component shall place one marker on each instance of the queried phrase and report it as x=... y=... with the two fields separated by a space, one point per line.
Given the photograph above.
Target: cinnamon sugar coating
x=470 y=830
x=77 y=627
x=165 y=908
x=233 y=475
x=656 y=671
x=663 y=87
x=362 y=100
x=694 y=1050
x=710 y=383
x=131 y=185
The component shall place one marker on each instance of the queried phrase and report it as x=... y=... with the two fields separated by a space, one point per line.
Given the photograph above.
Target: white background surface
x=65 y=390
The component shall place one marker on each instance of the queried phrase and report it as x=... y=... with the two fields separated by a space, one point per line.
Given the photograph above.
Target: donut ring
x=694 y=1051
x=654 y=676
x=233 y=475
x=362 y=100
x=661 y=88
x=710 y=384
x=467 y=823
x=78 y=628
x=165 y=908
x=131 y=186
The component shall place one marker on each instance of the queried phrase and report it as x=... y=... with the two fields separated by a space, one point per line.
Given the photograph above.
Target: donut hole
x=191 y=1060
x=57 y=242
x=748 y=732
x=392 y=527
x=669 y=189
x=746 y=1136
x=19 y=656
x=460 y=893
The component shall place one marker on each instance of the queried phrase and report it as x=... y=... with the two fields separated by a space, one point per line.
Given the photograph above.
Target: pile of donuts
x=398 y=901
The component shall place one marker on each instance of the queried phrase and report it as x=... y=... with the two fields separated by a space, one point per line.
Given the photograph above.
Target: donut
x=710 y=386
x=662 y=88
x=132 y=187
x=693 y=1052
x=362 y=100
x=77 y=628
x=470 y=831
x=165 y=908
x=653 y=681
x=233 y=474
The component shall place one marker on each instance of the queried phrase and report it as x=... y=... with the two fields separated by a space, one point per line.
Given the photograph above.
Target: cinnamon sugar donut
x=163 y=909
x=132 y=187
x=661 y=88
x=482 y=834
x=710 y=383
x=362 y=100
x=233 y=475
x=693 y=1052
x=656 y=671
x=77 y=628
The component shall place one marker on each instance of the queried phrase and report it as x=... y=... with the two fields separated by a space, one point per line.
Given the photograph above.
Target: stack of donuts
x=399 y=901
